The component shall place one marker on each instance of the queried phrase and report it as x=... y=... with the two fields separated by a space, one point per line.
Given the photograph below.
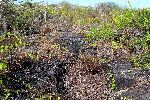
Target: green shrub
x=101 y=32
x=142 y=20
x=8 y=37
x=124 y=19
x=3 y=66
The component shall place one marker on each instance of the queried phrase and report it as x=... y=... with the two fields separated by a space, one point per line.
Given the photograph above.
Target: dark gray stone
x=72 y=42
x=122 y=83
x=125 y=77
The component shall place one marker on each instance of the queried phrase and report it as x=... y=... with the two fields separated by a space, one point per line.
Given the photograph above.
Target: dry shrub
x=90 y=63
x=86 y=79
x=106 y=50
x=122 y=53
x=56 y=25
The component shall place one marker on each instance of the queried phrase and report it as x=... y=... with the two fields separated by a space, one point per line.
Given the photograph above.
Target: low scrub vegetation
x=105 y=27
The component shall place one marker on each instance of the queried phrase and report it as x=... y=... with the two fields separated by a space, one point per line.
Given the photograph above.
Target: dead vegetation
x=73 y=52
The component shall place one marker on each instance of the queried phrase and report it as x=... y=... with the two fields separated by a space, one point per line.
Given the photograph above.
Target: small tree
x=6 y=15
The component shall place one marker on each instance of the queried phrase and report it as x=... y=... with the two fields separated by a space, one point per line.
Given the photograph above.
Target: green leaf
x=148 y=37
x=8 y=94
x=3 y=66
x=37 y=99
x=147 y=65
x=1 y=82
x=115 y=45
x=1 y=50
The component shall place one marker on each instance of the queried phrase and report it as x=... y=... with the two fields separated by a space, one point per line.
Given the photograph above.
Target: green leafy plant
x=116 y=45
x=124 y=19
x=142 y=20
x=7 y=94
x=112 y=85
x=49 y=96
x=125 y=98
x=3 y=66
x=135 y=61
x=34 y=56
x=7 y=36
x=101 y=32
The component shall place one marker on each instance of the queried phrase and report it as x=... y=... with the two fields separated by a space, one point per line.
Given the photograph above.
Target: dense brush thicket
x=40 y=44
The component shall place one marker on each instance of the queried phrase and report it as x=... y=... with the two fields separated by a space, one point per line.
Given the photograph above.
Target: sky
x=124 y=3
